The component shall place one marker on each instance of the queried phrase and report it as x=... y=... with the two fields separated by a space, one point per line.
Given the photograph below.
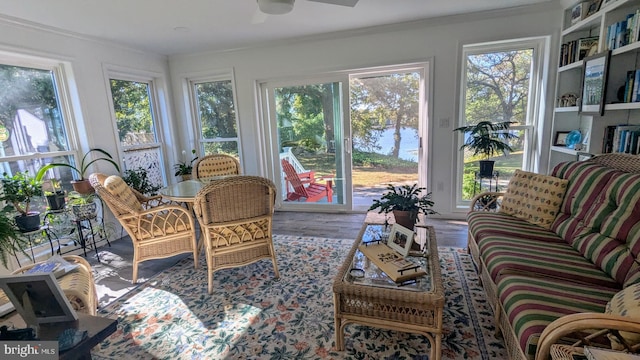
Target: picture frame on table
x=401 y=239
x=560 y=139
x=594 y=83
x=38 y=298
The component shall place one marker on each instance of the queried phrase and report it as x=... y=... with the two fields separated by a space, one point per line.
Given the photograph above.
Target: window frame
x=534 y=115
x=61 y=86
x=195 y=112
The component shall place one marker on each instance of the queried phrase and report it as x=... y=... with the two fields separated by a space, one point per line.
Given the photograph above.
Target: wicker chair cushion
x=534 y=198
x=625 y=303
x=120 y=190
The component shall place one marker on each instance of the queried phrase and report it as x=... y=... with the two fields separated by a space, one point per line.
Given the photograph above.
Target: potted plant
x=184 y=168
x=81 y=183
x=83 y=206
x=55 y=195
x=406 y=202
x=10 y=240
x=138 y=179
x=487 y=139
x=19 y=190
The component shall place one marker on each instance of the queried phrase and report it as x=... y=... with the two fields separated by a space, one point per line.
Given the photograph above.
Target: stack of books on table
x=392 y=263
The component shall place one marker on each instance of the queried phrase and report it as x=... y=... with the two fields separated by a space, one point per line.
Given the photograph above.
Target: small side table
x=493 y=182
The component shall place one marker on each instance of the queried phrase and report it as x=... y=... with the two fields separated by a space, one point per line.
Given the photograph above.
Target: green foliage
x=76 y=198
x=375 y=160
x=184 y=167
x=138 y=179
x=468 y=185
x=19 y=189
x=404 y=198
x=132 y=107
x=10 y=240
x=81 y=171
x=217 y=109
x=487 y=138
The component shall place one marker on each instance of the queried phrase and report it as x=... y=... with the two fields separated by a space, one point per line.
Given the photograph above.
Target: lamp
x=275 y=7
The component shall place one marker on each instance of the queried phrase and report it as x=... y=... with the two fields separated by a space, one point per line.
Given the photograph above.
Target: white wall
x=440 y=40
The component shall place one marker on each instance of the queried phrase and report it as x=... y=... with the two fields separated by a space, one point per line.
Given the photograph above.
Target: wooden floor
x=451 y=233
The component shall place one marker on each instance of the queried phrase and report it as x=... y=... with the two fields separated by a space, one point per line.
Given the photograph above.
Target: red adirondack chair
x=296 y=189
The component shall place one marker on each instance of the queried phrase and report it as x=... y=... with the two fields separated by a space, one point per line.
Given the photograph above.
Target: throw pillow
x=120 y=190
x=534 y=198
x=625 y=303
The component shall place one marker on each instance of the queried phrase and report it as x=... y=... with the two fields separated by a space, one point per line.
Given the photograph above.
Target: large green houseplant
x=406 y=202
x=10 y=240
x=81 y=182
x=19 y=190
x=487 y=139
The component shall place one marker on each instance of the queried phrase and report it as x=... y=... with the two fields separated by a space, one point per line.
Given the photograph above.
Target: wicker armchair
x=215 y=165
x=590 y=329
x=235 y=216
x=157 y=229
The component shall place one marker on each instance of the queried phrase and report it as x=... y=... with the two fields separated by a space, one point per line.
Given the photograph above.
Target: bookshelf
x=625 y=57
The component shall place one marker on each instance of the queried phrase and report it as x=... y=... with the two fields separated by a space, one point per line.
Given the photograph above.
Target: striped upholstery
x=586 y=180
x=532 y=303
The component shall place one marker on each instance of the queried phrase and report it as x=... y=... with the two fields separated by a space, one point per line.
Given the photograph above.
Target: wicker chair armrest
x=600 y=323
x=156 y=211
x=487 y=201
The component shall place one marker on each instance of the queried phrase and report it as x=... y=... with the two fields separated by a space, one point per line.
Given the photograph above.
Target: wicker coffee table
x=375 y=300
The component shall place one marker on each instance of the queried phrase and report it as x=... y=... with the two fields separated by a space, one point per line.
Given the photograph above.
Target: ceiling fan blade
x=350 y=3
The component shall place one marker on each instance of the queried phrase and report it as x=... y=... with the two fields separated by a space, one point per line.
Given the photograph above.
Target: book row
x=622 y=139
x=576 y=50
x=623 y=32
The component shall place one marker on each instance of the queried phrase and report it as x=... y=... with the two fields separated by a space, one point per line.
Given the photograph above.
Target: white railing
x=291 y=158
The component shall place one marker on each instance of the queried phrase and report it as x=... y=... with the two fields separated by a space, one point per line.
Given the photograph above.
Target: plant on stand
x=81 y=184
x=405 y=202
x=83 y=205
x=185 y=168
x=487 y=139
x=19 y=190
x=55 y=195
x=10 y=240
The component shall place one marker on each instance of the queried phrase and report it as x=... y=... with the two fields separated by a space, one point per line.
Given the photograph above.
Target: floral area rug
x=251 y=315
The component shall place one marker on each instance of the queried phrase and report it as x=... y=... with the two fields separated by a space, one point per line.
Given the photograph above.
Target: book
x=592 y=353
x=55 y=264
x=587 y=47
x=391 y=262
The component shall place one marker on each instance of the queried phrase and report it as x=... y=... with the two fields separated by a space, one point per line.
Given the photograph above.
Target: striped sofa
x=534 y=276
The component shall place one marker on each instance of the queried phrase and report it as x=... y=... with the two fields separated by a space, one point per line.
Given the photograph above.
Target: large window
x=500 y=82
x=133 y=104
x=33 y=126
x=216 y=115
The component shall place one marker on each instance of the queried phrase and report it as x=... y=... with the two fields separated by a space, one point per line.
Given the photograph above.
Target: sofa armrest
x=487 y=201
x=599 y=324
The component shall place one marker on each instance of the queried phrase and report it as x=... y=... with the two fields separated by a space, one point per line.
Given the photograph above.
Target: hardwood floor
x=448 y=232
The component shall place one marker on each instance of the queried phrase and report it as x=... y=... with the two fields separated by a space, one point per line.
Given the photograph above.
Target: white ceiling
x=186 y=26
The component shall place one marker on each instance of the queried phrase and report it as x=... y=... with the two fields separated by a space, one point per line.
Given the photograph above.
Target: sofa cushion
x=625 y=303
x=585 y=180
x=533 y=197
x=530 y=304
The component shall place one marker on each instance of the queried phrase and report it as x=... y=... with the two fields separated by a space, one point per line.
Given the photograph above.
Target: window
x=215 y=108
x=33 y=121
x=133 y=104
x=499 y=83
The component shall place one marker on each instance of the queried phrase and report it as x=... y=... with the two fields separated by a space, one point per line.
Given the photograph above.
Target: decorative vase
x=405 y=218
x=29 y=222
x=83 y=186
x=486 y=168
x=85 y=211
x=186 y=177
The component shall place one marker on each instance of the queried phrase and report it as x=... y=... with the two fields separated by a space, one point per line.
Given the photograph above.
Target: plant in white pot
x=406 y=202
x=487 y=139
x=19 y=190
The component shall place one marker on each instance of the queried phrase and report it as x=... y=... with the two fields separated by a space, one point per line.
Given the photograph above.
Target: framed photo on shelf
x=561 y=138
x=594 y=83
x=579 y=12
x=38 y=298
x=400 y=239
x=594 y=6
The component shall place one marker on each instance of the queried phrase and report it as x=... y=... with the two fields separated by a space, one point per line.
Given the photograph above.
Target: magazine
x=55 y=264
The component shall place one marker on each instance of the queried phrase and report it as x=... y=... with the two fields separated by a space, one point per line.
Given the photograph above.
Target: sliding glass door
x=308 y=142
